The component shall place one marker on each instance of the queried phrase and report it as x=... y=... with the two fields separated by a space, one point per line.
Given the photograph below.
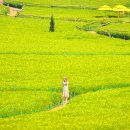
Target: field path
x=92 y=32
x=57 y=108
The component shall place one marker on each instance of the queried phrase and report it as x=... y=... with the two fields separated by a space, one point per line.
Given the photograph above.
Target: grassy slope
x=34 y=65
x=120 y=30
x=118 y=27
x=34 y=48
x=92 y=3
x=32 y=62
x=107 y=109
x=64 y=13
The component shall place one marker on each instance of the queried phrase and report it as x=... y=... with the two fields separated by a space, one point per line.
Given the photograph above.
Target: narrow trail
x=57 y=108
x=92 y=32
x=96 y=90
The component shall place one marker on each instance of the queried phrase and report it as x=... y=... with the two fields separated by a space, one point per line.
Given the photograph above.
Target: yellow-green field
x=33 y=62
x=92 y=3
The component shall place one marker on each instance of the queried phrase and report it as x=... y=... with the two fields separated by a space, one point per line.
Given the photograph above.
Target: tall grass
x=34 y=61
x=116 y=30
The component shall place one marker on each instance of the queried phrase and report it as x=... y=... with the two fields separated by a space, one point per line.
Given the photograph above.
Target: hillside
x=33 y=62
x=92 y=3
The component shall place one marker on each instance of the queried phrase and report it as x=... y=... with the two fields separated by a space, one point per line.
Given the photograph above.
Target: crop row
x=117 y=31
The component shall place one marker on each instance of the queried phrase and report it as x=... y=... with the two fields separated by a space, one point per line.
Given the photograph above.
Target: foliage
x=52 y=25
x=108 y=109
x=4 y=10
x=113 y=31
x=15 y=5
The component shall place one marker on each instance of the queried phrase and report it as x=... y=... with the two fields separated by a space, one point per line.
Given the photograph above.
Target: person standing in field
x=65 y=90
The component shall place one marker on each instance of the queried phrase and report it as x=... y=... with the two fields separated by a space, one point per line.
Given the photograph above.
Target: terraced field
x=118 y=30
x=33 y=62
x=87 y=3
x=108 y=109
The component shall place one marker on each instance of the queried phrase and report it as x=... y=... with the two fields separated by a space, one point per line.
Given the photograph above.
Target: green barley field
x=33 y=62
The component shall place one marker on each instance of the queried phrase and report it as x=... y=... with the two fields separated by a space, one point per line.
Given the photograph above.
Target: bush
x=4 y=10
x=52 y=24
x=14 y=4
x=116 y=34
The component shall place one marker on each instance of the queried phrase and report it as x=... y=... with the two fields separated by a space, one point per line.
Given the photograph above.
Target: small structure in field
x=120 y=9
x=105 y=8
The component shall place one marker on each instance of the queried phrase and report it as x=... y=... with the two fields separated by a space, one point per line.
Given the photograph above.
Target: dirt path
x=92 y=32
x=57 y=108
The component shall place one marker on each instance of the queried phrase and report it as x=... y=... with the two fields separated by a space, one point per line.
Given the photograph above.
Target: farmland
x=91 y=3
x=113 y=105
x=33 y=62
x=119 y=30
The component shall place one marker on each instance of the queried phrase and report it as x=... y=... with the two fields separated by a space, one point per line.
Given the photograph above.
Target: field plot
x=120 y=30
x=92 y=3
x=33 y=62
x=64 y=13
x=89 y=113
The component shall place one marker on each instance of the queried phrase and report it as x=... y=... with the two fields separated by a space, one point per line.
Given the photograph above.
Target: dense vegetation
x=107 y=109
x=34 y=61
x=119 y=30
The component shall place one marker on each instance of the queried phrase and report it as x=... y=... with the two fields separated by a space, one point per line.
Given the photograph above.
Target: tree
x=52 y=24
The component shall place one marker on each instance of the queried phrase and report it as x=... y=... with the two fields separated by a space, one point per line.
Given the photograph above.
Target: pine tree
x=52 y=24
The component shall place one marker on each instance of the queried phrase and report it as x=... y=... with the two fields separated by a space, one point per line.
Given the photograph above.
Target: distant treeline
x=13 y=4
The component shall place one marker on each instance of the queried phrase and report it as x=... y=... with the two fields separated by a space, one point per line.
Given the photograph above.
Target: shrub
x=52 y=24
x=4 y=10
x=116 y=34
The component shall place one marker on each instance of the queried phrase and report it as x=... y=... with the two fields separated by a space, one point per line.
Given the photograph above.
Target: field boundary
x=125 y=35
x=57 y=108
x=56 y=6
x=47 y=17
x=67 y=53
